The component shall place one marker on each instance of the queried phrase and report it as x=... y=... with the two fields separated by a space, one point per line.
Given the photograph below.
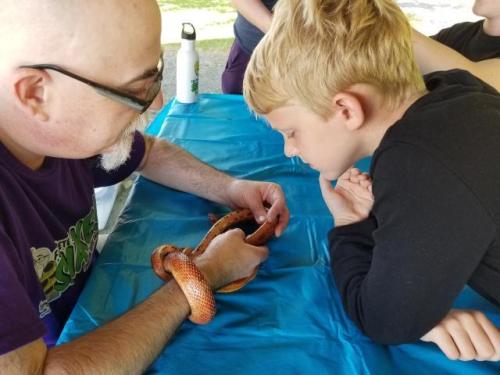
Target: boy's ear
x=349 y=109
x=30 y=91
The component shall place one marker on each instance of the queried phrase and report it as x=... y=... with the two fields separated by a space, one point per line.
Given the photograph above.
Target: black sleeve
x=400 y=270
x=442 y=36
x=454 y=35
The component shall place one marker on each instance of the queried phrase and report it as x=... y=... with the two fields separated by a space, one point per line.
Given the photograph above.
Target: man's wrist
x=172 y=292
x=228 y=191
x=211 y=276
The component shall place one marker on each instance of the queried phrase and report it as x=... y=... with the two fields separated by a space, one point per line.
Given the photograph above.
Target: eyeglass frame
x=138 y=104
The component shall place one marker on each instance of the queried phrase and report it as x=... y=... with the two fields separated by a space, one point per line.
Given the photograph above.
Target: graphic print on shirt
x=56 y=269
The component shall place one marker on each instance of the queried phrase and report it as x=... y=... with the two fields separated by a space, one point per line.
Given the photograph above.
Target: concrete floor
x=212 y=63
x=428 y=16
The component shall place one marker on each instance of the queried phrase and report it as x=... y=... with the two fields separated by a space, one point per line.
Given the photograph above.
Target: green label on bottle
x=194 y=85
x=195 y=82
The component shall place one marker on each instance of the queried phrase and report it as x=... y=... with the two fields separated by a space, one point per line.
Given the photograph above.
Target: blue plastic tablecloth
x=289 y=320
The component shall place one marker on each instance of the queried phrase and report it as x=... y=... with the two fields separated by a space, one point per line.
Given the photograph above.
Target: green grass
x=220 y=5
x=206 y=45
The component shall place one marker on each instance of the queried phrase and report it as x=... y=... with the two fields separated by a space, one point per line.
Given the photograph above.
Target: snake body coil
x=171 y=261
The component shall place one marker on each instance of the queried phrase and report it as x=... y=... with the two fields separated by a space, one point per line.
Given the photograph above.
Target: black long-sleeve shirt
x=435 y=223
x=470 y=40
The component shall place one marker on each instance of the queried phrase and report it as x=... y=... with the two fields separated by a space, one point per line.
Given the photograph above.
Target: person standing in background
x=478 y=40
x=253 y=21
x=472 y=46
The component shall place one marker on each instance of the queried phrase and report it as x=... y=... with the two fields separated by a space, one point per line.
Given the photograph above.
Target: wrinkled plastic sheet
x=289 y=320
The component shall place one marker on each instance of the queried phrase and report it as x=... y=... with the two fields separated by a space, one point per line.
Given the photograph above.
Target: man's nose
x=158 y=102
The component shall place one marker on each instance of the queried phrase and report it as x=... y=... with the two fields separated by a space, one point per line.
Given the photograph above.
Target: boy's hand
x=466 y=335
x=351 y=200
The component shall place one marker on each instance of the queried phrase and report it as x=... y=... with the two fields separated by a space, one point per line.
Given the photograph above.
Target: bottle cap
x=188 y=31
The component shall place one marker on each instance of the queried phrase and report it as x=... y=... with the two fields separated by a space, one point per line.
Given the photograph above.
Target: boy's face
x=487 y=8
x=326 y=145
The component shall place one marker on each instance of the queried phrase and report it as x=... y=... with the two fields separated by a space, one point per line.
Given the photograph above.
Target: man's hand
x=351 y=200
x=169 y=165
x=229 y=258
x=466 y=335
x=254 y=194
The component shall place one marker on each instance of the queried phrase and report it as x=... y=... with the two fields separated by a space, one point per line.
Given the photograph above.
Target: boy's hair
x=317 y=48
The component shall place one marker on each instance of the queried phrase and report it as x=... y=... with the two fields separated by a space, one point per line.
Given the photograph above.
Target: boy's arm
x=433 y=56
x=255 y=12
x=393 y=269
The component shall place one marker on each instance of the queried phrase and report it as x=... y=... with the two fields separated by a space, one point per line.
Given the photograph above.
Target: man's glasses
x=138 y=104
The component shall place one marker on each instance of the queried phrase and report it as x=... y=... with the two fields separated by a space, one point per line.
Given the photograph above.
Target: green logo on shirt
x=58 y=268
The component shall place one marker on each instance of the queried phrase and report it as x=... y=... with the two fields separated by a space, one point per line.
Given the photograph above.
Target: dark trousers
x=232 y=77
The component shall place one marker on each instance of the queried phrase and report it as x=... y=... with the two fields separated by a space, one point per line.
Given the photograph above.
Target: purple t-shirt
x=48 y=233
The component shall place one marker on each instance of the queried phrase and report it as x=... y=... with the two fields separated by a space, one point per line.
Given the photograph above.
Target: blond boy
x=339 y=80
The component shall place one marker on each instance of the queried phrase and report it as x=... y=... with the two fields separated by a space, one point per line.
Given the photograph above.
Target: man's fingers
x=278 y=208
x=236 y=232
x=257 y=207
x=276 y=198
x=262 y=252
x=284 y=217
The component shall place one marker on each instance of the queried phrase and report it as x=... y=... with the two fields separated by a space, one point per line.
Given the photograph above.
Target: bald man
x=75 y=77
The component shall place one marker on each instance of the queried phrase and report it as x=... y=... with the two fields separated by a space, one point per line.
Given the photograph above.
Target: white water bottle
x=188 y=66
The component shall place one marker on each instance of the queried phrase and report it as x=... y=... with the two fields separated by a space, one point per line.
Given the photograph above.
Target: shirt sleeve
x=399 y=271
x=105 y=178
x=19 y=320
x=442 y=36
x=452 y=36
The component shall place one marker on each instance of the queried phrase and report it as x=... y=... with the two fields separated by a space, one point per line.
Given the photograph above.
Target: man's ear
x=30 y=92
x=348 y=109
